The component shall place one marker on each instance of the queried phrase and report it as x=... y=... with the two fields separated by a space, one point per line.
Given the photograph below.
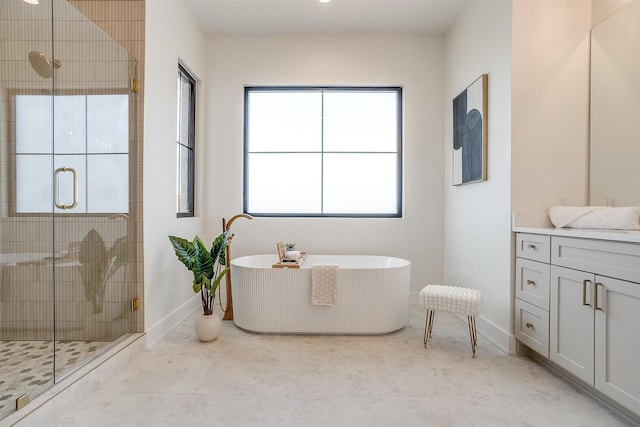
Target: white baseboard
x=170 y=321
x=493 y=333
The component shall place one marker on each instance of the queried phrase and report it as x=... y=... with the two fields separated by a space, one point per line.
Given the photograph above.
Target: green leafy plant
x=289 y=246
x=208 y=266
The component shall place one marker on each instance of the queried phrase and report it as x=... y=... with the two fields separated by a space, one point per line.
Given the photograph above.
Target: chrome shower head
x=42 y=65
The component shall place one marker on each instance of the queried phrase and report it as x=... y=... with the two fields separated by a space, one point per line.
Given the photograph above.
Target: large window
x=186 y=142
x=90 y=138
x=323 y=151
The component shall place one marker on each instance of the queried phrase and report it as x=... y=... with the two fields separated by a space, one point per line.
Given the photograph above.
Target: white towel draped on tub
x=324 y=284
x=602 y=217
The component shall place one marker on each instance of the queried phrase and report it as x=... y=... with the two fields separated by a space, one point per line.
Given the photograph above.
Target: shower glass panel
x=67 y=274
x=26 y=241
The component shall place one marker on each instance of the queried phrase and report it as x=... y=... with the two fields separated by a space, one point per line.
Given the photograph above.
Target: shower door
x=67 y=255
x=92 y=119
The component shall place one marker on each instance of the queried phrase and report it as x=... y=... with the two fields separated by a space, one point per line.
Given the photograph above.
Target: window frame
x=184 y=72
x=399 y=149
x=12 y=151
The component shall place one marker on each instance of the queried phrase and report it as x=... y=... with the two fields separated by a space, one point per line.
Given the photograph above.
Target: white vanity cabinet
x=594 y=313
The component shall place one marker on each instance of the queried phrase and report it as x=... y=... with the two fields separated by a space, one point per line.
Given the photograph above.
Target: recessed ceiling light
x=324 y=1
x=32 y=1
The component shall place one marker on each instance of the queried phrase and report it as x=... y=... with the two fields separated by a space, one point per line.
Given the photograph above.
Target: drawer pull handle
x=529 y=325
x=584 y=292
x=595 y=299
x=530 y=282
x=531 y=246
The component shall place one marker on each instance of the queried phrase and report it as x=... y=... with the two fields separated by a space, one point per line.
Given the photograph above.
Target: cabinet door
x=571 y=321
x=617 y=345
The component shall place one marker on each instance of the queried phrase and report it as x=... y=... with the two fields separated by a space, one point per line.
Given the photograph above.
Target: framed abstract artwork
x=470 y=133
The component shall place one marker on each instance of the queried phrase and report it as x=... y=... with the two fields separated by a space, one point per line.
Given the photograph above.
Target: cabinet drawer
x=532 y=282
x=535 y=247
x=613 y=259
x=532 y=327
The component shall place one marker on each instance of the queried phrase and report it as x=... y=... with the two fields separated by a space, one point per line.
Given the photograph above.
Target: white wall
x=171 y=34
x=477 y=216
x=415 y=63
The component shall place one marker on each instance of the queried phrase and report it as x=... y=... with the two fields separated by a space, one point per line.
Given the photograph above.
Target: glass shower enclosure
x=67 y=216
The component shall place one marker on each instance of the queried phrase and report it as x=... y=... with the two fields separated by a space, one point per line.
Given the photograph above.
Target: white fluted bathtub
x=373 y=295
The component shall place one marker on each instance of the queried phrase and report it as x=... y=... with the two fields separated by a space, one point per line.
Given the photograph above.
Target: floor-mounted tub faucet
x=226 y=226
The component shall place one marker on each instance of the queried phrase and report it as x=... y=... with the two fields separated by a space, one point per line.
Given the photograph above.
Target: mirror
x=615 y=109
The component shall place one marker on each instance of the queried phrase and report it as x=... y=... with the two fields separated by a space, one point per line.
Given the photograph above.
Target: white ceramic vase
x=207 y=327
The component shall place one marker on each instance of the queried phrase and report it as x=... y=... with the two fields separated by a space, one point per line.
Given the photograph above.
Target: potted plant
x=208 y=267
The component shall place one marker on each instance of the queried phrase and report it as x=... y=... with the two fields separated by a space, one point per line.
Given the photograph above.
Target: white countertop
x=630 y=236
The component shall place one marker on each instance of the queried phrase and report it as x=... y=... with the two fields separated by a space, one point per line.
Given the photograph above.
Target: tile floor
x=245 y=379
x=36 y=365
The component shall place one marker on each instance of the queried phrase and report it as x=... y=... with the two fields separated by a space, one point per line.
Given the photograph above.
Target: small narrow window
x=186 y=142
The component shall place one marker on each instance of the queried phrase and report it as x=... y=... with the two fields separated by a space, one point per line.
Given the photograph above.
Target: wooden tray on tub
x=290 y=264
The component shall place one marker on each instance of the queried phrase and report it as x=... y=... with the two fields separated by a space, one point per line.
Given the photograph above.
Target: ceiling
x=253 y=17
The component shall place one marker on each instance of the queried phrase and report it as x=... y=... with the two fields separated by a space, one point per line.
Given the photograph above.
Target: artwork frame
x=469 y=148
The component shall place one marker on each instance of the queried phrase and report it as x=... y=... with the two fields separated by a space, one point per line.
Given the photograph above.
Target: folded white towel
x=324 y=284
x=600 y=217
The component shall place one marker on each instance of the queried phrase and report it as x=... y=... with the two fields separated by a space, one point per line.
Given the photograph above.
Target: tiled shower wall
x=26 y=304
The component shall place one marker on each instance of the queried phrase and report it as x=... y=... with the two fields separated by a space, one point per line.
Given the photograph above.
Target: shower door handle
x=75 y=188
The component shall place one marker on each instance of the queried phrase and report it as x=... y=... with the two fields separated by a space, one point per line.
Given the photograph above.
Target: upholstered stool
x=452 y=299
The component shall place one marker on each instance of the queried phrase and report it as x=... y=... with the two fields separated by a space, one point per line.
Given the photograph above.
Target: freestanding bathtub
x=373 y=295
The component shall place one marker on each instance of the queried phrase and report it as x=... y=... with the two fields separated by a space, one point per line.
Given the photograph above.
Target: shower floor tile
x=27 y=366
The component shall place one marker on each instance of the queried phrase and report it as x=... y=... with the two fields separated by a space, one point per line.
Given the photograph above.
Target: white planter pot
x=207 y=327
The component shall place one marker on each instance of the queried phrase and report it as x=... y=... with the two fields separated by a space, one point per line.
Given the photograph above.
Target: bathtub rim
x=267 y=261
